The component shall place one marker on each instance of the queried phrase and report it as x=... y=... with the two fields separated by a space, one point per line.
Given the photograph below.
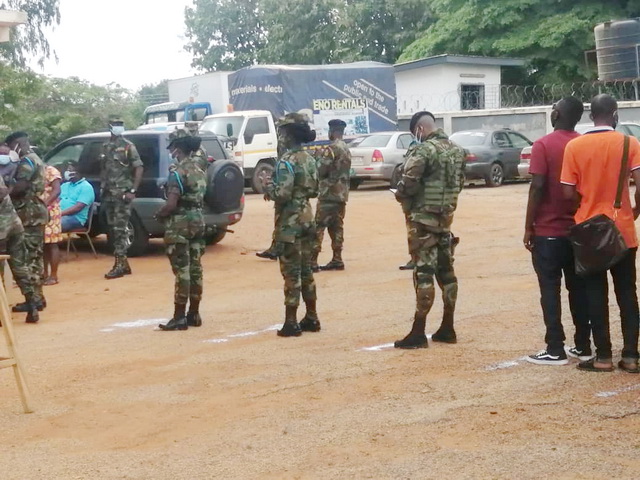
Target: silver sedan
x=377 y=156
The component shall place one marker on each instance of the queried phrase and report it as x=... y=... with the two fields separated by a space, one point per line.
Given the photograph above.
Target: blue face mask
x=5 y=159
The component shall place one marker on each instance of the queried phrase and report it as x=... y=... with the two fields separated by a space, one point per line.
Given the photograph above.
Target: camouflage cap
x=116 y=120
x=179 y=133
x=293 y=119
x=337 y=124
x=192 y=127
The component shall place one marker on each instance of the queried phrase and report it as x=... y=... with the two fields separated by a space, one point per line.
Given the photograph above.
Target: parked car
x=493 y=155
x=225 y=184
x=525 y=157
x=377 y=157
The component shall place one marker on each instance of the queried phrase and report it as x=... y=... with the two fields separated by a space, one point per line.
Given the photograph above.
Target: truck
x=363 y=94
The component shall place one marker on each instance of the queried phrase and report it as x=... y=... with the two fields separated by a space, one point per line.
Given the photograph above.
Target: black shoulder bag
x=597 y=242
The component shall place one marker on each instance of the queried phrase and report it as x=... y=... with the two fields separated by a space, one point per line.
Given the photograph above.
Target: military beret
x=337 y=124
x=293 y=119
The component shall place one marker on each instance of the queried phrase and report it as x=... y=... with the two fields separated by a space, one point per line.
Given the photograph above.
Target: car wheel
x=262 y=171
x=396 y=176
x=354 y=183
x=215 y=236
x=138 y=237
x=496 y=175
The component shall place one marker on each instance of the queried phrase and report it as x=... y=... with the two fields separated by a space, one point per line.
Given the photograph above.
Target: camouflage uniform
x=12 y=237
x=429 y=190
x=295 y=182
x=34 y=215
x=120 y=158
x=184 y=233
x=333 y=172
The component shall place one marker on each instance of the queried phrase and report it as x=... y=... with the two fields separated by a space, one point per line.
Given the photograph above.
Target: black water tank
x=617 y=44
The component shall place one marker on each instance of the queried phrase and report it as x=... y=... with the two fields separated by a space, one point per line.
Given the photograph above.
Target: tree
x=152 y=94
x=29 y=40
x=550 y=34
x=224 y=34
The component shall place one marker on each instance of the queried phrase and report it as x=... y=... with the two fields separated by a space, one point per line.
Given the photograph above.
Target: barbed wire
x=477 y=97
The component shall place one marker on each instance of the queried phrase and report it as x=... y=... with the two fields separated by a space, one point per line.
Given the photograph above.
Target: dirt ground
x=115 y=399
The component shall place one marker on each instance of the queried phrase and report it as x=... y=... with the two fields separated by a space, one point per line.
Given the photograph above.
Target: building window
x=471 y=97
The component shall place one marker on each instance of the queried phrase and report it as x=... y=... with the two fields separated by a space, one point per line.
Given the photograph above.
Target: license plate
x=357 y=160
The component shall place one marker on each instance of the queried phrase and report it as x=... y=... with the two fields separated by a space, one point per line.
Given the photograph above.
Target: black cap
x=337 y=124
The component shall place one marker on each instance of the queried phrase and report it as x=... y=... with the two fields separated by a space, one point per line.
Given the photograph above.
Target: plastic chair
x=84 y=231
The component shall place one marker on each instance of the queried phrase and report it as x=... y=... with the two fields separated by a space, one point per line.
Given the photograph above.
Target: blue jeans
x=69 y=223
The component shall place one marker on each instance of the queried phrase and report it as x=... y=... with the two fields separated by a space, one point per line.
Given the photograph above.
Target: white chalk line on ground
x=384 y=346
x=134 y=324
x=241 y=335
x=506 y=364
x=613 y=393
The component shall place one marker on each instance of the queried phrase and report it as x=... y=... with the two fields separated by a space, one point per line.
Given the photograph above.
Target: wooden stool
x=12 y=360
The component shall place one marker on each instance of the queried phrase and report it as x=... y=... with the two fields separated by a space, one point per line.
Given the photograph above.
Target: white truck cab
x=252 y=137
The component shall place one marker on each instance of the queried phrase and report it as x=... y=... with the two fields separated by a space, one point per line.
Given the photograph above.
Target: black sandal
x=589 y=366
x=629 y=367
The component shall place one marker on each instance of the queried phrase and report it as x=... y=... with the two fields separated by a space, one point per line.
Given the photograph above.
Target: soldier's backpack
x=225 y=186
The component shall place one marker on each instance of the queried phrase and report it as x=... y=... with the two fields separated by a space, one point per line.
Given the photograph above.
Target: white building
x=8 y=19
x=450 y=82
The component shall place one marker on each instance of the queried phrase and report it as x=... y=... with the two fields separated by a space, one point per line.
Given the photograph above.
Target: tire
x=138 y=237
x=263 y=169
x=354 y=183
x=496 y=175
x=214 y=237
x=395 y=177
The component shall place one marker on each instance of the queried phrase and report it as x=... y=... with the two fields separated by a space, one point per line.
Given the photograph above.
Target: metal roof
x=460 y=60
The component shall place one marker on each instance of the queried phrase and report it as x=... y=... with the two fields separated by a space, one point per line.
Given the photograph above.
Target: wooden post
x=12 y=360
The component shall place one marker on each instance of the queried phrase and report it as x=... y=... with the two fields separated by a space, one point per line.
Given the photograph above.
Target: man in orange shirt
x=590 y=172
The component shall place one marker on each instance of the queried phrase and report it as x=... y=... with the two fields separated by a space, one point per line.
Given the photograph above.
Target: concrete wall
x=210 y=87
x=437 y=87
x=533 y=122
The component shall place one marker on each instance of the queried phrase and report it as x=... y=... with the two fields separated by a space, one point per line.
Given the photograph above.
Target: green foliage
x=154 y=93
x=29 y=40
x=551 y=34
x=227 y=34
x=52 y=109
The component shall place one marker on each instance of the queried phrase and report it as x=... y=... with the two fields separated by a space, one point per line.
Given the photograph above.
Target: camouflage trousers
x=276 y=246
x=433 y=256
x=34 y=258
x=118 y=214
x=295 y=266
x=330 y=215
x=185 y=259
x=18 y=264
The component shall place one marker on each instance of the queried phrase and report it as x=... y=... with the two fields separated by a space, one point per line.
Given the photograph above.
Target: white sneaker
x=573 y=352
x=545 y=358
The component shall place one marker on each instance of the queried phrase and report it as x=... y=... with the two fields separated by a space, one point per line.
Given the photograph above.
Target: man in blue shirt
x=76 y=197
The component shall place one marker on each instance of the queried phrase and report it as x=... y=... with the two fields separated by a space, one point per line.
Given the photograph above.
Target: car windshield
x=469 y=139
x=375 y=141
x=223 y=126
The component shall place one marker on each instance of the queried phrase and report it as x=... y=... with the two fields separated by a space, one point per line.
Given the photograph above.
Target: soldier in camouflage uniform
x=27 y=192
x=201 y=157
x=12 y=243
x=428 y=192
x=295 y=181
x=334 y=167
x=121 y=174
x=184 y=230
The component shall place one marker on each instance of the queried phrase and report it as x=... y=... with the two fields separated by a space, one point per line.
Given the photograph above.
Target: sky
x=130 y=42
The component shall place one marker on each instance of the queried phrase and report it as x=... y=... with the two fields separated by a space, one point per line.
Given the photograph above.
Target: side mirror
x=248 y=138
x=229 y=130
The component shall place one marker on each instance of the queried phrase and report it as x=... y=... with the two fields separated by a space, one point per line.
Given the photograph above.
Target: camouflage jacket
x=202 y=159
x=334 y=167
x=9 y=221
x=119 y=160
x=431 y=181
x=189 y=182
x=29 y=204
x=295 y=181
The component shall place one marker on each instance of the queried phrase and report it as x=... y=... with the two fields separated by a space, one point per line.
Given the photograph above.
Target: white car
x=525 y=160
x=377 y=156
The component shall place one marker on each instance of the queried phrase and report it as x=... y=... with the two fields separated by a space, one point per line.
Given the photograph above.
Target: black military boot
x=193 y=317
x=32 y=313
x=446 y=333
x=334 y=264
x=26 y=307
x=125 y=266
x=310 y=322
x=290 y=327
x=416 y=337
x=408 y=266
x=179 y=320
x=117 y=271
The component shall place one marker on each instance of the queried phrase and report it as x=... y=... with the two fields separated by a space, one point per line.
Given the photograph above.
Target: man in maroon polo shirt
x=549 y=218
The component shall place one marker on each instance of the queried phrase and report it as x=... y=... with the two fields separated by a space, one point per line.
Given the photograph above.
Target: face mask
x=117 y=130
x=68 y=176
x=5 y=159
x=14 y=156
